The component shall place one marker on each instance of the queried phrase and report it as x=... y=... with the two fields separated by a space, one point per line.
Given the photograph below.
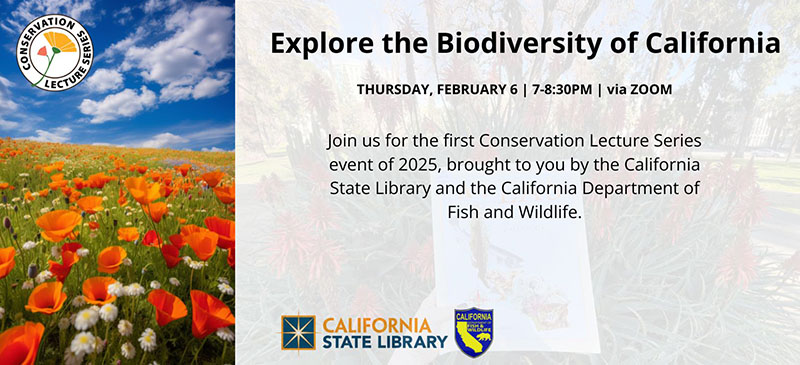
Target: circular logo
x=55 y=52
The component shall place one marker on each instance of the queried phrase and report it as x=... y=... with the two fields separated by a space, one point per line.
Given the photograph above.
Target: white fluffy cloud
x=155 y=5
x=104 y=80
x=7 y=125
x=200 y=38
x=163 y=140
x=6 y=104
x=125 y=103
x=124 y=15
x=208 y=87
x=60 y=135
x=197 y=136
x=29 y=10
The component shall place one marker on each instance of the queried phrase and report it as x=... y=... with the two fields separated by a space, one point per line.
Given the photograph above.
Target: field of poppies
x=112 y=255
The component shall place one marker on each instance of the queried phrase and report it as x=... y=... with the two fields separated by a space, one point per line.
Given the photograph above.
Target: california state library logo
x=298 y=332
x=474 y=330
x=55 y=52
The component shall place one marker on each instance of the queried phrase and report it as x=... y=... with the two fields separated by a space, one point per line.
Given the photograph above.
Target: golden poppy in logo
x=60 y=42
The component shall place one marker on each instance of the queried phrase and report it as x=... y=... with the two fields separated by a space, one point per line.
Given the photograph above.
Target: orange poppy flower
x=94 y=225
x=226 y=194
x=183 y=169
x=203 y=243
x=95 y=290
x=6 y=261
x=44 y=193
x=29 y=197
x=226 y=229
x=61 y=270
x=78 y=182
x=20 y=344
x=155 y=210
x=232 y=257
x=128 y=234
x=57 y=177
x=47 y=298
x=122 y=201
x=57 y=184
x=99 y=180
x=110 y=259
x=208 y=314
x=58 y=224
x=142 y=191
x=171 y=254
x=74 y=196
x=166 y=191
x=151 y=239
x=91 y=204
x=168 y=306
x=213 y=178
x=179 y=240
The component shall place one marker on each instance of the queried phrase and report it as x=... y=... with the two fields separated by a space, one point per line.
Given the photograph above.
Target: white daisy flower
x=125 y=328
x=155 y=285
x=43 y=276
x=2 y=312
x=128 y=351
x=99 y=345
x=28 y=284
x=45 y=209
x=26 y=216
x=174 y=281
x=55 y=251
x=29 y=245
x=134 y=289
x=83 y=343
x=194 y=265
x=223 y=279
x=127 y=261
x=82 y=252
x=147 y=341
x=225 y=289
x=78 y=301
x=108 y=312
x=71 y=358
x=116 y=289
x=225 y=334
x=86 y=319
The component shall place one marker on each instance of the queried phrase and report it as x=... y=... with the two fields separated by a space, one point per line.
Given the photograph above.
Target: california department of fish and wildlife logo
x=55 y=52
x=474 y=330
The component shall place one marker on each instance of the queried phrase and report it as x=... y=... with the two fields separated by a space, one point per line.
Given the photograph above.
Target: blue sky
x=162 y=76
